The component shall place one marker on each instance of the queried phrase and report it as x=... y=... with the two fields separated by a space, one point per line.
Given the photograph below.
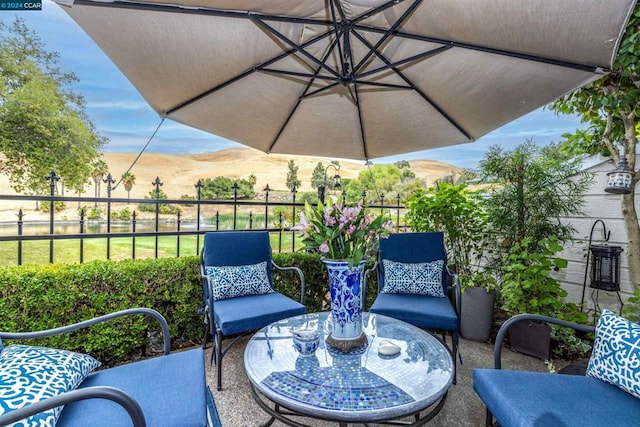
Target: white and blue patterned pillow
x=30 y=374
x=616 y=353
x=421 y=278
x=237 y=281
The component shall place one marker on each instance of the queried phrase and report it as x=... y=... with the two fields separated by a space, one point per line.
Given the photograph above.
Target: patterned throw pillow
x=240 y=280
x=422 y=278
x=616 y=353
x=30 y=374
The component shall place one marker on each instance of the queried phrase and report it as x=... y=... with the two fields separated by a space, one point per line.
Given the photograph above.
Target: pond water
x=92 y=227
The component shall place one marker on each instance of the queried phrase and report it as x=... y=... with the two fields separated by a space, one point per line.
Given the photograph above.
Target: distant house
x=606 y=207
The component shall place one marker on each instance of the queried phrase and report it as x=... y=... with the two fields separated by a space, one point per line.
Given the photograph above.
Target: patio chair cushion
x=170 y=389
x=420 y=278
x=420 y=310
x=616 y=353
x=517 y=398
x=236 y=315
x=30 y=374
x=239 y=280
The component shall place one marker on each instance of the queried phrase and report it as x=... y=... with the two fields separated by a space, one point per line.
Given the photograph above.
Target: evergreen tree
x=292 y=176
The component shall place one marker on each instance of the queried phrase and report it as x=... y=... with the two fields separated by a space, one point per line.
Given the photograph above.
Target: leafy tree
x=292 y=176
x=460 y=214
x=387 y=180
x=611 y=106
x=532 y=188
x=98 y=170
x=43 y=126
x=317 y=176
x=221 y=187
x=128 y=179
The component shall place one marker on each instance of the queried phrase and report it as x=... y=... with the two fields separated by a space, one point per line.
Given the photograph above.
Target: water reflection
x=92 y=227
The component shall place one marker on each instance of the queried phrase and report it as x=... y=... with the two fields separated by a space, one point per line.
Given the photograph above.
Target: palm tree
x=128 y=179
x=100 y=169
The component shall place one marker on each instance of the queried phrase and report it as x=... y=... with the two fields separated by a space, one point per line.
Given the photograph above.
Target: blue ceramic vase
x=345 y=286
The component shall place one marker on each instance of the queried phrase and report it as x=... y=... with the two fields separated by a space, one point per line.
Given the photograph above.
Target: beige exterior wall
x=607 y=207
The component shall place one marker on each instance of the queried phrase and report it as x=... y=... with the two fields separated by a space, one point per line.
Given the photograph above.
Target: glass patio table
x=357 y=387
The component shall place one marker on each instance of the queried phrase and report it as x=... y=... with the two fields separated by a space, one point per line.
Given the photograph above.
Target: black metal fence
x=160 y=234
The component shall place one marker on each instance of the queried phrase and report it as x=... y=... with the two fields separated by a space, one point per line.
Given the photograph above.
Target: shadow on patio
x=463 y=407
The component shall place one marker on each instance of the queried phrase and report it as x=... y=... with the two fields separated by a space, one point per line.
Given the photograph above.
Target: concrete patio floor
x=462 y=408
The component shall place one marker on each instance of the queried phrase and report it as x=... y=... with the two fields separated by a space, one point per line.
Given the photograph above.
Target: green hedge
x=36 y=297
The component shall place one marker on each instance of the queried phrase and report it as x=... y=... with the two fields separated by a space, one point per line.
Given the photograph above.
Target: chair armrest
x=300 y=274
x=455 y=290
x=102 y=392
x=100 y=319
x=502 y=332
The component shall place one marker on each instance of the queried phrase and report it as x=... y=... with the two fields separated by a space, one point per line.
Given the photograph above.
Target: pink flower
x=351 y=229
x=324 y=247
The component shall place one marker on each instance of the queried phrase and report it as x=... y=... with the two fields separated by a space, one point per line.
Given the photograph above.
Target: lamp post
x=336 y=181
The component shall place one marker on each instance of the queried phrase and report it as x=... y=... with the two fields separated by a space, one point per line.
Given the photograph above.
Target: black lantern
x=605 y=268
x=620 y=178
x=336 y=181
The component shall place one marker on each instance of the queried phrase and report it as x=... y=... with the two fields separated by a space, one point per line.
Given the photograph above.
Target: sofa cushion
x=236 y=315
x=421 y=278
x=29 y=374
x=521 y=399
x=616 y=353
x=239 y=280
x=420 y=310
x=170 y=389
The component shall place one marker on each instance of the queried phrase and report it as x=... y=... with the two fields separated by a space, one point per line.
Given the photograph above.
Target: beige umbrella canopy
x=353 y=79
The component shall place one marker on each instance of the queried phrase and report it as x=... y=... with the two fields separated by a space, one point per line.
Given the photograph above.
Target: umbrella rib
x=364 y=139
x=292 y=44
x=417 y=89
x=503 y=52
x=296 y=74
x=404 y=61
x=295 y=107
x=387 y=33
x=246 y=73
x=322 y=89
x=376 y=10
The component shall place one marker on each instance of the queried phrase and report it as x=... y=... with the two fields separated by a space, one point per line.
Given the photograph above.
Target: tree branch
x=606 y=138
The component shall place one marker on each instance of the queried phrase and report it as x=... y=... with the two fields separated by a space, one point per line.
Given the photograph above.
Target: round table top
x=359 y=386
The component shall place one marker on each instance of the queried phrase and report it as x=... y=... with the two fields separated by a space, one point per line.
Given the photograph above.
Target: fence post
x=280 y=232
x=294 y=190
x=81 y=239
x=235 y=204
x=199 y=186
x=398 y=211
x=20 y=216
x=52 y=178
x=250 y=220
x=157 y=184
x=133 y=230
x=266 y=207
x=381 y=203
x=178 y=238
x=109 y=180
x=217 y=220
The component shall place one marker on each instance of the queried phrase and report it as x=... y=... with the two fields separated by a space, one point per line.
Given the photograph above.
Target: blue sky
x=123 y=116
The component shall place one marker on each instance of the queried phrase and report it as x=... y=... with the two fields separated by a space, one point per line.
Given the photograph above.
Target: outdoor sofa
x=608 y=395
x=168 y=390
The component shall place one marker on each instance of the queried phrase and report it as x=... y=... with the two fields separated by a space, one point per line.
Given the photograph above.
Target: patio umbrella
x=356 y=79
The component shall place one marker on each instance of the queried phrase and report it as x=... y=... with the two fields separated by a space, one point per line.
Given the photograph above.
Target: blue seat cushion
x=170 y=389
x=242 y=314
x=423 y=311
x=520 y=399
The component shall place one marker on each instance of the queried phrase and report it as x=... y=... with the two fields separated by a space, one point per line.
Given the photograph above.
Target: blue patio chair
x=236 y=268
x=416 y=286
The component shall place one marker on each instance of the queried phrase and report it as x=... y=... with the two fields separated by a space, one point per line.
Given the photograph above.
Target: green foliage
x=632 y=306
x=94 y=213
x=128 y=180
x=387 y=180
x=317 y=176
x=531 y=189
x=123 y=215
x=292 y=176
x=58 y=206
x=43 y=125
x=221 y=188
x=34 y=297
x=42 y=297
x=163 y=208
x=460 y=214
